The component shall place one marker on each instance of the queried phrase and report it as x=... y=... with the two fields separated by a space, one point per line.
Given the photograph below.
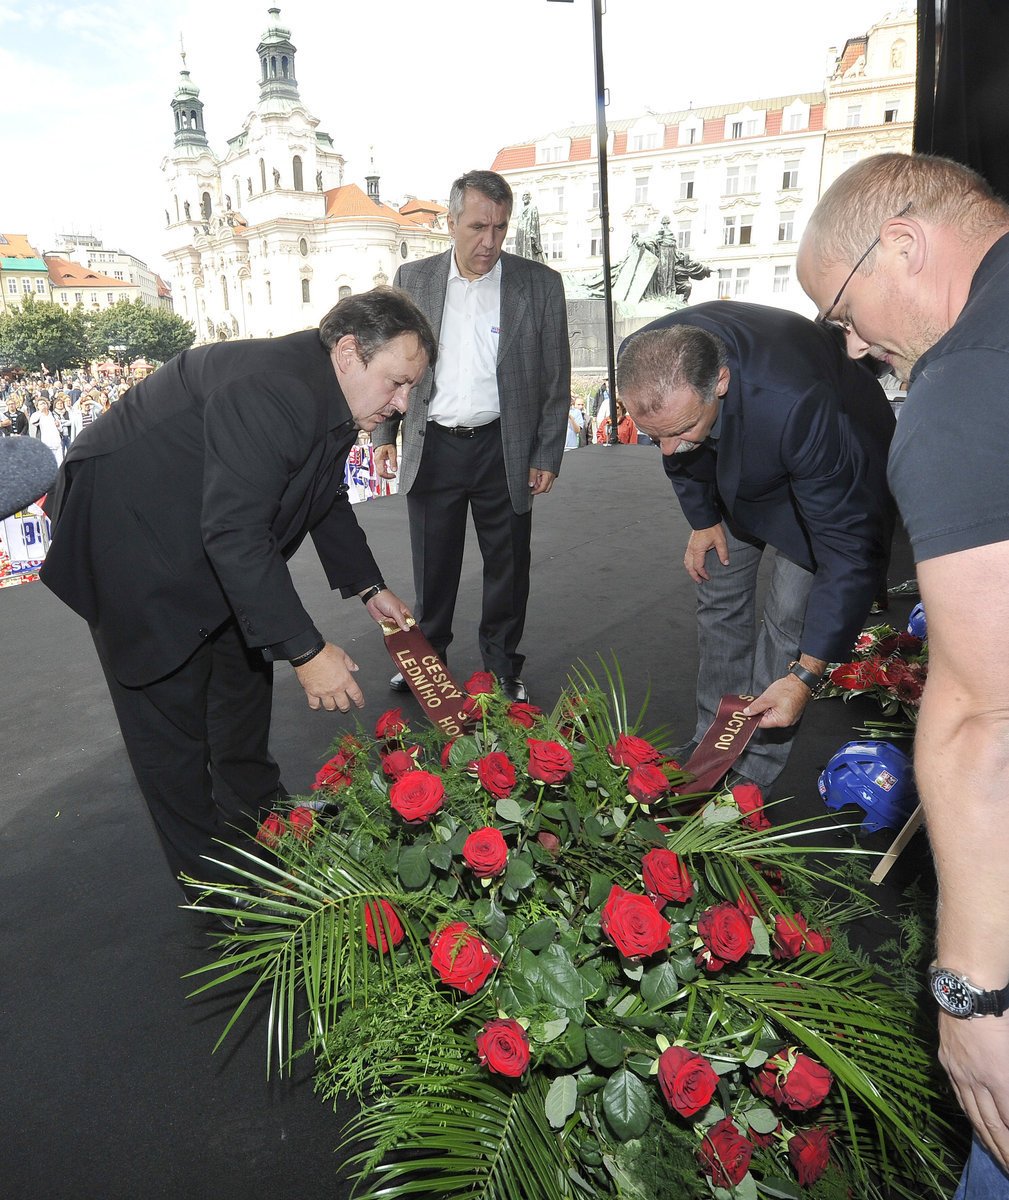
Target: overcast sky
x=436 y=89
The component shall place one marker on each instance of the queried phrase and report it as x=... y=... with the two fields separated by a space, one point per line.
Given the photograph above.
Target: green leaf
x=626 y=1105
x=510 y=810
x=592 y=982
x=414 y=867
x=560 y=983
x=781 y=1189
x=660 y=985
x=464 y=750
x=761 y=941
x=561 y=1101
x=761 y=1119
x=539 y=935
x=599 y=889
x=756 y=1059
x=605 y=1045
x=439 y=855
x=569 y=1049
x=553 y=1029
x=448 y=886
x=519 y=874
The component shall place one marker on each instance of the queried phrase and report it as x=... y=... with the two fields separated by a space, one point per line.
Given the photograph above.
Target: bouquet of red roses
x=542 y=980
x=888 y=665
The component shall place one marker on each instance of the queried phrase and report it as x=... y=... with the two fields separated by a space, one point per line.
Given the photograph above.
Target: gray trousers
x=738 y=655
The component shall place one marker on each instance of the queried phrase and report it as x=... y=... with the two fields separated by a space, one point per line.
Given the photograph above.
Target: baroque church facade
x=265 y=238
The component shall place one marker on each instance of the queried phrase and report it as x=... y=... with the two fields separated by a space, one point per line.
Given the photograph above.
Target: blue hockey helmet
x=916 y=623
x=876 y=776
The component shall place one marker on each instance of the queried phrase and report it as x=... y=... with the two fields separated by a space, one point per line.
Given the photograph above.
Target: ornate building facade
x=737 y=181
x=266 y=237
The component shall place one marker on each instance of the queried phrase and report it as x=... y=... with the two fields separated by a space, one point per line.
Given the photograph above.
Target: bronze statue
x=527 y=231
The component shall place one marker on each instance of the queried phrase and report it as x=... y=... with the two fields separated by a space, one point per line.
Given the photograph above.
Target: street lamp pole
x=604 y=204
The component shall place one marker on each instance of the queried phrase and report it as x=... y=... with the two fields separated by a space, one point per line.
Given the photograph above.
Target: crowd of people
x=56 y=410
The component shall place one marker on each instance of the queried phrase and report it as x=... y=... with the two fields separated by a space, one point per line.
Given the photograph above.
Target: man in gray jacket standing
x=486 y=429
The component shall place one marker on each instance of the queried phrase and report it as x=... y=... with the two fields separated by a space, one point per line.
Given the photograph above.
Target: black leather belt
x=464 y=431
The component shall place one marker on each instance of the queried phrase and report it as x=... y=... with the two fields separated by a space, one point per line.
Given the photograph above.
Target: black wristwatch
x=960 y=998
x=808 y=677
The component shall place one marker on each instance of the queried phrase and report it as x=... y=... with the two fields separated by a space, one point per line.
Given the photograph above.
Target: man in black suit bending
x=173 y=519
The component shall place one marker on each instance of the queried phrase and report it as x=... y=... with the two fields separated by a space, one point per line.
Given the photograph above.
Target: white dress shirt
x=465 y=381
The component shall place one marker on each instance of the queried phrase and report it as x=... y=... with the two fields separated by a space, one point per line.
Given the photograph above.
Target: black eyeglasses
x=845 y=326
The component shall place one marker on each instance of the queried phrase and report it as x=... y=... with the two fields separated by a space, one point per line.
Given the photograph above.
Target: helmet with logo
x=916 y=623
x=876 y=776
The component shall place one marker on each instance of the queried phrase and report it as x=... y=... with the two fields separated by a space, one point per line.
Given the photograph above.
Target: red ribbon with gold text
x=438 y=694
x=723 y=743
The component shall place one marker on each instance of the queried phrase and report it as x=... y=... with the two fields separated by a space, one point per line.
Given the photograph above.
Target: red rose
x=794 y=1079
x=725 y=932
x=816 y=943
x=396 y=763
x=461 y=958
x=390 y=724
x=687 y=1080
x=809 y=1152
x=381 y=925
x=633 y=924
x=524 y=714
x=503 y=1047
x=271 y=831
x=301 y=820
x=763 y=1140
x=549 y=762
x=748 y=904
x=480 y=683
x=446 y=750
x=471 y=711
x=496 y=774
x=789 y=935
x=485 y=852
x=725 y=1154
x=647 y=783
x=417 y=795
x=665 y=877
x=334 y=775
x=750 y=802
x=550 y=842
x=631 y=751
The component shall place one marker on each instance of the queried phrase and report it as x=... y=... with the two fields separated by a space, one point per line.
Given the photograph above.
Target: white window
x=751 y=127
x=786 y=227
x=644 y=141
x=728 y=231
x=78 y=297
x=742 y=281
x=686 y=185
x=117 y=274
x=65 y=298
x=890 y=113
x=854 y=116
x=731 y=181
x=737 y=230
x=595 y=194
x=724 y=283
x=108 y=297
x=750 y=177
x=683 y=234
x=790 y=174
x=40 y=286
x=641 y=189
x=555 y=244
x=12 y=287
x=549 y=154
x=796 y=121
x=26 y=286
x=595 y=242
x=782 y=278
x=736 y=130
x=690 y=135
x=554 y=199
x=745 y=229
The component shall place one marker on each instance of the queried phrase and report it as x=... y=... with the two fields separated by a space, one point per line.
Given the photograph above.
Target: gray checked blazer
x=533 y=369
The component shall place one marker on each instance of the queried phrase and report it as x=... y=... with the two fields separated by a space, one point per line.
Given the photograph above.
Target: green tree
x=41 y=335
x=132 y=329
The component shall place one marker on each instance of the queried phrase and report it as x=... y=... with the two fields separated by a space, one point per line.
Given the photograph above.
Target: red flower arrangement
x=461 y=958
x=503 y=1048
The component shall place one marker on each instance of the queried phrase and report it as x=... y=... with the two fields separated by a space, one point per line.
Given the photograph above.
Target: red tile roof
x=512 y=157
x=853 y=50
x=581 y=148
x=17 y=245
x=64 y=273
x=349 y=202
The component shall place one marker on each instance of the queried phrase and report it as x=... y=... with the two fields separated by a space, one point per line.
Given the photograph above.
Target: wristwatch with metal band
x=808 y=677
x=960 y=998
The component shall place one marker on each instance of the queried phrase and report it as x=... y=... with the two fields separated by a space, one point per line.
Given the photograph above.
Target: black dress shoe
x=398 y=683
x=513 y=688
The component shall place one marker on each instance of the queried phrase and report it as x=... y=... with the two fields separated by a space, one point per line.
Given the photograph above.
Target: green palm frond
x=303 y=942
x=462 y=1135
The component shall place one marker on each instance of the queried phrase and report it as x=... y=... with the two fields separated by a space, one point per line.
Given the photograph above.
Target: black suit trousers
x=458 y=474
x=198 y=744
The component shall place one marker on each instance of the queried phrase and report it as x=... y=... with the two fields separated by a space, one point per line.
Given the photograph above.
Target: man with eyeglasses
x=931 y=297
x=774 y=442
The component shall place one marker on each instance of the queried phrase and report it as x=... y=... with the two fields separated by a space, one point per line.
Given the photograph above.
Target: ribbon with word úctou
x=441 y=698
x=723 y=743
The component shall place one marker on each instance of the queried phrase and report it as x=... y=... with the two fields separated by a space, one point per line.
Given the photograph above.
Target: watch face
x=952 y=993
